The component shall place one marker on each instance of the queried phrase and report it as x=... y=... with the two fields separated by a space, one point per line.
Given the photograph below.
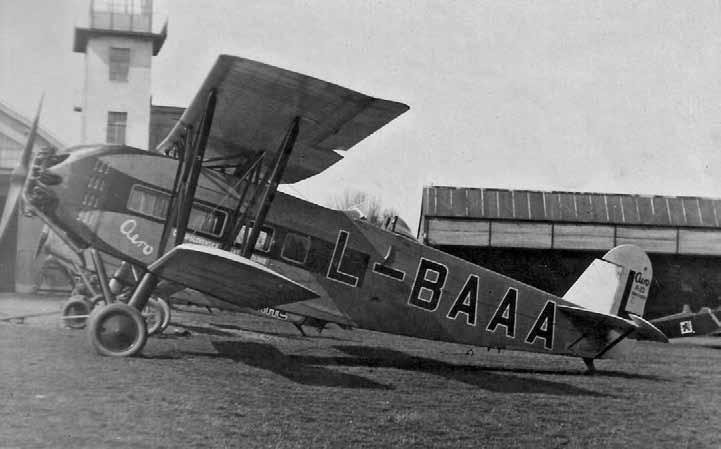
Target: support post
x=143 y=290
x=193 y=171
x=171 y=214
x=269 y=194
x=235 y=224
x=102 y=275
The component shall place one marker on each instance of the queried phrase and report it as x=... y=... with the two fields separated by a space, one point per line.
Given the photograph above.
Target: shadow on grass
x=391 y=358
x=294 y=335
x=310 y=370
x=477 y=376
x=206 y=330
x=268 y=357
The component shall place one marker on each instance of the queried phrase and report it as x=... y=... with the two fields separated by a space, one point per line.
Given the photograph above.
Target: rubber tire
x=138 y=330
x=166 y=313
x=97 y=301
x=76 y=305
x=155 y=308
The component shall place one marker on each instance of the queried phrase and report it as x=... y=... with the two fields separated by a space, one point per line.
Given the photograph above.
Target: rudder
x=616 y=284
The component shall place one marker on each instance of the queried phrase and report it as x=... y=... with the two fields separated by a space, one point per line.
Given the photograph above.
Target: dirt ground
x=240 y=381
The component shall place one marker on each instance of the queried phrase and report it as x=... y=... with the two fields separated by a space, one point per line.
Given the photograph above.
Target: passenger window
x=265 y=238
x=204 y=219
x=295 y=248
x=148 y=202
x=153 y=203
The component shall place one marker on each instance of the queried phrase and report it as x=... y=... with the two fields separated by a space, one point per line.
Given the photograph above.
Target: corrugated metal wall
x=570 y=221
x=571 y=207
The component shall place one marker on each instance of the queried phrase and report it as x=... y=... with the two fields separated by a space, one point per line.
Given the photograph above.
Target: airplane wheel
x=117 y=330
x=154 y=316
x=166 y=313
x=76 y=306
x=97 y=301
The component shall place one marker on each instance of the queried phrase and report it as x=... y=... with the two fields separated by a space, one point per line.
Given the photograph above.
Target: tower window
x=117 y=122
x=119 y=63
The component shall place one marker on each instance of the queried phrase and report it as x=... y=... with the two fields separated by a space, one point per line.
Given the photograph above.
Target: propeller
x=18 y=176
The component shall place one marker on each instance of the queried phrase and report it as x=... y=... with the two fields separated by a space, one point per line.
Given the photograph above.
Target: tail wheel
x=117 y=330
x=76 y=311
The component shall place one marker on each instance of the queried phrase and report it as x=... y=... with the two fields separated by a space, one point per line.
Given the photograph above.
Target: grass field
x=240 y=381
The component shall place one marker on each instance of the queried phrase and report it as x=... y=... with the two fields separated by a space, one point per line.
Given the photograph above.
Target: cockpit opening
x=397 y=225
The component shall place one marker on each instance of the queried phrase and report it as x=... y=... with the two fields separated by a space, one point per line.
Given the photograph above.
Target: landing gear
x=117 y=330
x=98 y=301
x=76 y=311
x=166 y=313
x=157 y=315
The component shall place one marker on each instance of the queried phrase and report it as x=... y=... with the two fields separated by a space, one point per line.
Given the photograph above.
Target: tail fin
x=617 y=284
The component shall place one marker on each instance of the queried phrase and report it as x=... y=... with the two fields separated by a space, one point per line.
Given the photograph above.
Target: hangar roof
x=570 y=207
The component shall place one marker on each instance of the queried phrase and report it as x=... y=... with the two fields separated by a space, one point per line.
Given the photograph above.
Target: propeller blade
x=41 y=243
x=28 y=150
x=17 y=177
x=11 y=207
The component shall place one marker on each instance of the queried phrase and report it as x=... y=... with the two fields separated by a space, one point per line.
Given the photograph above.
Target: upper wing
x=256 y=104
x=227 y=276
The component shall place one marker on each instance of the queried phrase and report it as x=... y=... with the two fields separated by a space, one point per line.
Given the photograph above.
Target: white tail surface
x=617 y=284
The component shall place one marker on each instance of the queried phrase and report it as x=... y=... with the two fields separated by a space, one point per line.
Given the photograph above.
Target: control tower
x=119 y=44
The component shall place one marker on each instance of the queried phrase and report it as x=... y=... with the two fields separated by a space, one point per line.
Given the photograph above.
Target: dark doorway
x=8 y=251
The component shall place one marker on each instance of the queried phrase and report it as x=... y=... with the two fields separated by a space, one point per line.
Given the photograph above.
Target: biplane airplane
x=204 y=213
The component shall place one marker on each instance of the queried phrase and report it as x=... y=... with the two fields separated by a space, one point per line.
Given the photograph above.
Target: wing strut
x=272 y=187
x=262 y=197
x=171 y=214
x=232 y=231
x=192 y=162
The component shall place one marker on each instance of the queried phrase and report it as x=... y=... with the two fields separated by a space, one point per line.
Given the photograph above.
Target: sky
x=604 y=96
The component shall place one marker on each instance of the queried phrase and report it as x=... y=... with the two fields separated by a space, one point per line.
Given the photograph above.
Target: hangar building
x=547 y=239
x=14 y=130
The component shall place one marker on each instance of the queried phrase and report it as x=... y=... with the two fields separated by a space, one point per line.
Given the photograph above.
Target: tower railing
x=122 y=15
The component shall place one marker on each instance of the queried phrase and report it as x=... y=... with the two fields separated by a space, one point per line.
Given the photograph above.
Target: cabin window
x=153 y=203
x=265 y=238
x=149 y=202
x=117 y=123
x=119 y=64
x=295 y=247
x=206 y=220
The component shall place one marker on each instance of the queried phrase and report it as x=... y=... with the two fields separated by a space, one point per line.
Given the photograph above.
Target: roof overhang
x=82 y=35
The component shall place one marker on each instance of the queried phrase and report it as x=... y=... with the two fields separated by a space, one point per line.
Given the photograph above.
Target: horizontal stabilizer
x=646 y=330
x=227 y=276
x=603 y=332
x=597 y=319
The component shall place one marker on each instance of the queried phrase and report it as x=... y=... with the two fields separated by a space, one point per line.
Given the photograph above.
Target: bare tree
x=366 y=204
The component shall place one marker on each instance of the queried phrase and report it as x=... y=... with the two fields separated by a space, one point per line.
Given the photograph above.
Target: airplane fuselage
x=116 y=199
